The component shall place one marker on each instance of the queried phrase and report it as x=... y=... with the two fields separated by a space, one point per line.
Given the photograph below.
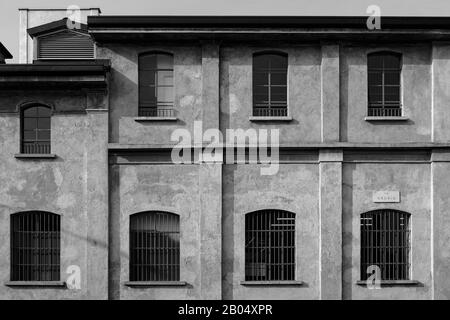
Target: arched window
x=35 y=246
x=154 y=246
x=35 y=127
x=270 y=246
x=270 y=84
x=385 y=243
x=156 y=94
x=384 y=69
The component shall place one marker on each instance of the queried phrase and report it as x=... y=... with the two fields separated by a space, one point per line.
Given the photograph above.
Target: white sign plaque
x=386 y=196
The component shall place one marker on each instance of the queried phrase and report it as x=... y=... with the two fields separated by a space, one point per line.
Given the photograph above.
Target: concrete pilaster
x=330 y=93
x=440 y=92
x=210 y=175
x=210 y=85
x=440 y=222
x=330 y=206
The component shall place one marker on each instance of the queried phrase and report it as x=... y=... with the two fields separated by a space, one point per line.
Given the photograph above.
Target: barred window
x=270 y=84
x=385 y=242
x=35 y=124
x=384 y=69
x=156 y=94
x=35 y=246
x=270 y=246
x=154 y=246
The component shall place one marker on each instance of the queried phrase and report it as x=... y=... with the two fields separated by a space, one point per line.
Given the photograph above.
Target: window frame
x=384 y=110
x=55 y=275
x=408 y=247
x=165 y=111
x=278 y=112
x=287 y=236
x=135 y=279
x=48 y=145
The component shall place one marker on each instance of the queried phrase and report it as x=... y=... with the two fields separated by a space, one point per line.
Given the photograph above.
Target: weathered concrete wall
x=360 y=180
x=124 y=95
x=73 y=185
x=416 y=96
x=174 y=189
x=295 y=189
x=304 y=92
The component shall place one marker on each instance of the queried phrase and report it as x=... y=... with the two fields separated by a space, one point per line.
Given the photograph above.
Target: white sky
x=9 y=17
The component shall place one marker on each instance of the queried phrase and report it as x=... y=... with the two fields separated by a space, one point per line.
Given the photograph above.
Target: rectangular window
x=270 y=85
x=154 y=247
x=385 y=244
x=270 y=246
x=384 y=70
x=156 y=94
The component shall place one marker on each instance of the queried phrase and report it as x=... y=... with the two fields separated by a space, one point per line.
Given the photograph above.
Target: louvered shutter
x=66 y=45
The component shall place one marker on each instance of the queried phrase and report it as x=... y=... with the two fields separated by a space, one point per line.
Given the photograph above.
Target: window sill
x=272 y=283
x=391 y=283
x=144 y=119
x=386 y=118
x=35 y=156
x=146 y=284
x=253 y=118
x=53 y=284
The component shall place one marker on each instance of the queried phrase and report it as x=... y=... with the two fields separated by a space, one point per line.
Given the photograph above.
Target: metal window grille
x=36 y=131
x=385 y=242
x=156 y=94
x=270 y=246
x=35 y=246
x=384 y=70
x=270 y=85
x=154 y=246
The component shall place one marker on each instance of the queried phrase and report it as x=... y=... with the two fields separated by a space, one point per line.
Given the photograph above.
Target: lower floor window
x=154 y=246
x=270 y=246
x=35 y=246
x=385 y=244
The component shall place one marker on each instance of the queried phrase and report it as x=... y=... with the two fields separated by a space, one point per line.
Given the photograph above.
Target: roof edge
x=5 y=52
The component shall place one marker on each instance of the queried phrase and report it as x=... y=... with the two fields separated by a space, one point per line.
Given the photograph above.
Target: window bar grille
x=35 y=246
x=270 y=246
x=385 y=242
x=154 y=247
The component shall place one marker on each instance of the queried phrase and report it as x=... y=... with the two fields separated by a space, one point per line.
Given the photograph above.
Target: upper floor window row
x=270 y=84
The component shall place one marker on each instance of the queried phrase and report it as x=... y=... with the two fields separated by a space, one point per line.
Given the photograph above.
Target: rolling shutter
x=66 y=45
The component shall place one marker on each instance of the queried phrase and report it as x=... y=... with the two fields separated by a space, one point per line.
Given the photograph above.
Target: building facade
x=93 y=206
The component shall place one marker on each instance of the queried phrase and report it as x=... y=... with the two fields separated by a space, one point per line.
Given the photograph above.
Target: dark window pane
x=154 y=247
x=147 y=62
x=375 y=78
x=30 y=112
x=29 y=123
x=44 y=135
x=278 y=61
x=29 y=135
x=147 y=78
x=44 y=123
x=391 y=61
x=392 y=78
x=278 y=79
x=261 y=61
x=278 y=91
x=260 y=78
x=375 y=61
x=44 y=112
